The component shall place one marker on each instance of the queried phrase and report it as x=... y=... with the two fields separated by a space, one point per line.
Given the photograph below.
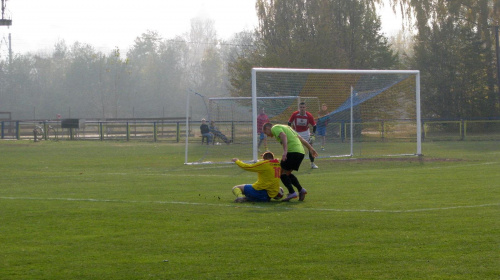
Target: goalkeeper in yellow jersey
x=268 y=183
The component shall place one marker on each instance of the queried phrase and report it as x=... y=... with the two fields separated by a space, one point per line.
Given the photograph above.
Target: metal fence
x=175 y=130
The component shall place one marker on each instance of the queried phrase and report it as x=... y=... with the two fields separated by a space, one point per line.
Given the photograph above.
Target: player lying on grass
x=268 y=182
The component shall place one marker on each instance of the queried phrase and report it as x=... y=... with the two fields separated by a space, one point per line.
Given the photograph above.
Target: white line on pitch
x=257 y=206
x=418 y=169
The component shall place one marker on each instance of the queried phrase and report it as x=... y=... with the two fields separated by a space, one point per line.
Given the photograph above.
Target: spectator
x=205 y=131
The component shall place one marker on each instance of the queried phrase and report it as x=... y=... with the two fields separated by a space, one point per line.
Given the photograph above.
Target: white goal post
x=382 y=105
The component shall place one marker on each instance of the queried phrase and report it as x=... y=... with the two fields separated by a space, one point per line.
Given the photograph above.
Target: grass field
x=120 y=210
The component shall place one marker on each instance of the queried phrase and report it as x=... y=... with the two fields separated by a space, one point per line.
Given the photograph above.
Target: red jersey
x=261 y=120
x=301 y=123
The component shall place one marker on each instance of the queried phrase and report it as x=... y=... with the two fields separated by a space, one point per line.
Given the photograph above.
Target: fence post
x=462 y=130
x=154 y=132
x=232 y=131
x=178 y=132
x=18 y=131
x=101 y=130
x=423 y=130
x=128 y=131
x=382 y=128
x=342 y=131
x=45 y=132
x=1 y=128
x=465 y=129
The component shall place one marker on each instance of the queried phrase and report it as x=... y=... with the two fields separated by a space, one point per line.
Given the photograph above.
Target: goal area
x=368 y=113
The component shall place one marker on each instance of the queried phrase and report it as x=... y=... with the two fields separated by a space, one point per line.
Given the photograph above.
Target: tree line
x=452 y=43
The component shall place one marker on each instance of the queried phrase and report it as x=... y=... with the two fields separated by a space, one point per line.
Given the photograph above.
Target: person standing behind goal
x=321 y=124
x=262 y=119
x=300 y=121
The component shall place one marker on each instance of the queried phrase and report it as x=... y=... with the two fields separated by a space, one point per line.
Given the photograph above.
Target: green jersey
x=293 y=141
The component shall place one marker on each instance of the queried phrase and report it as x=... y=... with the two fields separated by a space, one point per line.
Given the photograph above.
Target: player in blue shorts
x=268 y=182
x=321 y=124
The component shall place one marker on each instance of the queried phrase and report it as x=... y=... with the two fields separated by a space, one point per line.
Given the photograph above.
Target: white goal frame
x=335 y=71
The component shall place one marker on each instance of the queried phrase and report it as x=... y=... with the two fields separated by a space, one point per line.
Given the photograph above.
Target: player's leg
x=307 y=136
x=238 y=192
x=321 y=132
x=292 y=162
x=285 y=179
x=261 y=139
x=311 y=158
x=296 y=183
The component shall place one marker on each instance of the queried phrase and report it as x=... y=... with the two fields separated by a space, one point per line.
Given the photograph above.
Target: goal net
x=367 y=113
x=230 y=120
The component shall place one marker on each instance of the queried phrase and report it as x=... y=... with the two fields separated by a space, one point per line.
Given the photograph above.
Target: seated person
x=215 y=131
x=205 y=130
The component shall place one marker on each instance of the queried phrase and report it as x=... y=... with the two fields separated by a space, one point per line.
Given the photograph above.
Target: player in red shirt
x=300 y=121
x=262 y=119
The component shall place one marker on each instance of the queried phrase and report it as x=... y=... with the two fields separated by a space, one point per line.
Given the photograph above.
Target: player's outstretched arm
x=308 y=146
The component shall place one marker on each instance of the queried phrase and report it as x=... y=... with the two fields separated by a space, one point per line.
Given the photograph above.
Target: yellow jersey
x=268 y=175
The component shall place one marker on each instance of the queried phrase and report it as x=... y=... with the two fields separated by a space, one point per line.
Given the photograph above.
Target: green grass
x=117 y=210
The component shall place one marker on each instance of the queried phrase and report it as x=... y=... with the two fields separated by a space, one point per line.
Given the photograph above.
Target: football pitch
x=133 y=210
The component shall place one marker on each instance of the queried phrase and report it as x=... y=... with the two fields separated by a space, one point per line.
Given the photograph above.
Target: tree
x=240 y=59
x=82 y=84
x=146 y=78
x=315 y=34
x=454 y=50
x=205 y=69
x=403 y=45
x=451 y=67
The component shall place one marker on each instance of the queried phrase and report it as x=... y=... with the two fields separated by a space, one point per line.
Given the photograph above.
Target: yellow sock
x=237 y=192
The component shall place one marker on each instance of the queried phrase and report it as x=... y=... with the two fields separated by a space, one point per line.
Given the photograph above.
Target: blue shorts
x=255 y=195
x=321 y=130
x=262 y=136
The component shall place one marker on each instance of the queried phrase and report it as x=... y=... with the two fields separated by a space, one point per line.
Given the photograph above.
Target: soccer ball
x=280 y=194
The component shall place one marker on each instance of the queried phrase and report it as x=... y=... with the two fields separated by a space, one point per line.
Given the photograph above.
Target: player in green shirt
x=293 y=154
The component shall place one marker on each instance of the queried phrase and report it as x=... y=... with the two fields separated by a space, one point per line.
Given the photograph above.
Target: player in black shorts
x=293 y=161
x=293 y=154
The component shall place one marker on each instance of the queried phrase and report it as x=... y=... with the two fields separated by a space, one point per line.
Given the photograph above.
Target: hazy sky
x=38 y=24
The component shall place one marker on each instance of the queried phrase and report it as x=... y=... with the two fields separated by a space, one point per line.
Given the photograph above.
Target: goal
x=369 y=113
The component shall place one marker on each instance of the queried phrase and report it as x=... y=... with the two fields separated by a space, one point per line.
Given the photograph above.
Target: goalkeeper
x=268 y=183
x=300 y=121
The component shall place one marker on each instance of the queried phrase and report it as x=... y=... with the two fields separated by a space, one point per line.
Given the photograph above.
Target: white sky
x=105 y=24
